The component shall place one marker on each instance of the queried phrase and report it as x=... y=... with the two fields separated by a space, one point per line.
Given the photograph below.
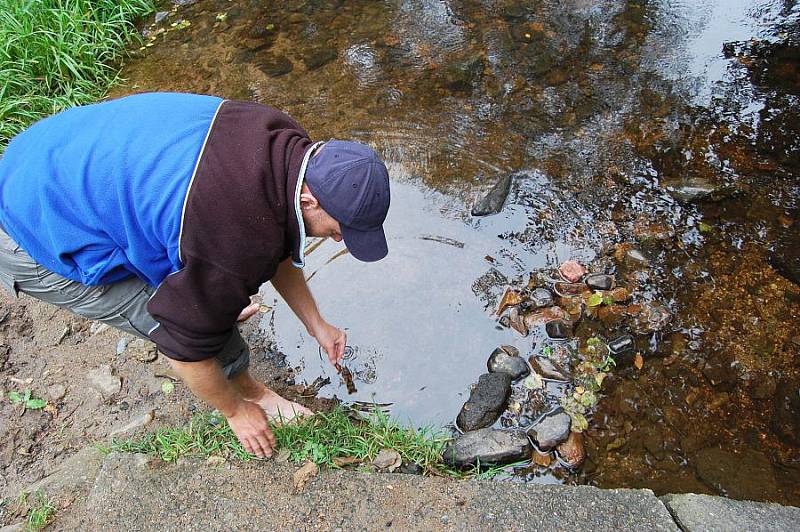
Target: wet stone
x=511 y=364
x=572 y=271
x=720 y=373
x=461 y=76
x=621 y=344
x=551 y=430
x=493 y=202
x=542 y=297
x=572 y=451
x=599 y=281
x=489 y=446
x=548 y=369
x=558 y=329
x=487 y=400
x=694 y=190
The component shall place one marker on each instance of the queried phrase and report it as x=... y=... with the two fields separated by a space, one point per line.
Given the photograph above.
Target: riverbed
x=667 y=126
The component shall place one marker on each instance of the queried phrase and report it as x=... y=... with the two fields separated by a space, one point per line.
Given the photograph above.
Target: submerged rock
x=599 y=281
x=548 y=369
x=318 y=58
x=746 y=475
x=486 y=402
x=542 y=297
x=572 y=271
x=504 y=360
x=274 y=65
x=489 y=446
x=621 y=344
x=551 y=430
x=493 y=202
x=558 y=329
x=572 y=451
x=696 y=189
x=786 y=417
x=785 y=258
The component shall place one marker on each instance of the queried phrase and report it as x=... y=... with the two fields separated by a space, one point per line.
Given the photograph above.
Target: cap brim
x=366 y=246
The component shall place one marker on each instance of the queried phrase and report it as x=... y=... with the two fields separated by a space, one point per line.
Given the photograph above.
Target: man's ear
x=308 y=201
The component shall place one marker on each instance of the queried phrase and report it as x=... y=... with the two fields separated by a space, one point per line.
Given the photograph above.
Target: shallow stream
x=670 y=126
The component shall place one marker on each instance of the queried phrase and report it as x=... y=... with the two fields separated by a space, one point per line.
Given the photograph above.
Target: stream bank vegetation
x=338 y=439
x=56 y=54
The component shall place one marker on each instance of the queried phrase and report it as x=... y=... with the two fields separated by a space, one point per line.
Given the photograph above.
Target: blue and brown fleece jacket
x=192 y=194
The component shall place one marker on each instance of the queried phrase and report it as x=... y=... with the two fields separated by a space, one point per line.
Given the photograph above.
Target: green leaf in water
x=595 y=299
x=588 y=399
x=533 y=382
x=579 y=422
x=704 y=227
x=547 y=350
x=167 y=387
x=608 y=300
x=594 y=341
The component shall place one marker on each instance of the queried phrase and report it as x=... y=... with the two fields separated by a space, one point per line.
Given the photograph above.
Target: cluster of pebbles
x=530 y=408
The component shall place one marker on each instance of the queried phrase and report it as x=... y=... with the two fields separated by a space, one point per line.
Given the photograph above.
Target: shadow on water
x=669 y=126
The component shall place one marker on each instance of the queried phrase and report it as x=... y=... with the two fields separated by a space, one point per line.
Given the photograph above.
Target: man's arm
x=247 y=419
x=291 y=285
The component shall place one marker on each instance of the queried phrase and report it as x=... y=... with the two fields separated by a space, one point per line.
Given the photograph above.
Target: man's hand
x=248 y=312
x=249 y=423
x=332 y=340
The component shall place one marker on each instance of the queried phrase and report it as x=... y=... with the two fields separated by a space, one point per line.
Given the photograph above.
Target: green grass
x=320 y=438
x=41 y=512
x=55 y=54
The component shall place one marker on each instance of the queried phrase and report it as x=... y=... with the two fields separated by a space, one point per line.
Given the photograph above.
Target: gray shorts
x=122 y=305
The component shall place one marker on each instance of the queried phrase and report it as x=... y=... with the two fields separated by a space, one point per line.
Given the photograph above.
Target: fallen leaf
x=594 y=300
x=167 y=387
x=509 y=299
x=51 y=409
x=638 y=361
x=301 y=477
x=343 y=461
x=387 y=460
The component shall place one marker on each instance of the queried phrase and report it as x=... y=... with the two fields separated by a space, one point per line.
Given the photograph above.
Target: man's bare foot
x=279 y=409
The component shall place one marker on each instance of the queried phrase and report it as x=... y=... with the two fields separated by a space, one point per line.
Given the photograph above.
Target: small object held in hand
x=344 y=371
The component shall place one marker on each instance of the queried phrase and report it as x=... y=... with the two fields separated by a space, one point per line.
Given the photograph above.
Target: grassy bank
x=325 y=438
x=56 y=54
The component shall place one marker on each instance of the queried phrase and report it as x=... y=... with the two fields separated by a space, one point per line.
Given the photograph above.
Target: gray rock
x=785 y=257
x=503 y=362
x=161 y=16
x=122 y=345
x=551 y=430
x=135 y=424
x=542 y=297
x=548 y=369
x=490 y=446
x=695 y=513
x=492 y=203
x=102 y=380
x=599 y=281
x=98 y=327
x=486 y=402
x=460 y=76
x=634 y=259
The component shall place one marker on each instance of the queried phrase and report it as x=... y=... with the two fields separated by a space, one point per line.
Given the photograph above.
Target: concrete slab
x=133 y=492
x=696 y=513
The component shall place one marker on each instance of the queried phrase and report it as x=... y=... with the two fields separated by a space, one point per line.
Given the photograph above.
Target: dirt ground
x=53 y=354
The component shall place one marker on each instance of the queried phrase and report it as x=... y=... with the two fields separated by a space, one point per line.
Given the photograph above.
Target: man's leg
x=235 y=359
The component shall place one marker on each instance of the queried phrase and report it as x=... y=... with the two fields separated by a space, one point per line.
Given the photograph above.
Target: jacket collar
x=294 y=186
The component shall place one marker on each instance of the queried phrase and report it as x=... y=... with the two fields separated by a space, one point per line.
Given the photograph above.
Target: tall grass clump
x=55 y=54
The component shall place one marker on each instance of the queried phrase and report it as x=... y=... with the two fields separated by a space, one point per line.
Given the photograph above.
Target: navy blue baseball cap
x=351 y=184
